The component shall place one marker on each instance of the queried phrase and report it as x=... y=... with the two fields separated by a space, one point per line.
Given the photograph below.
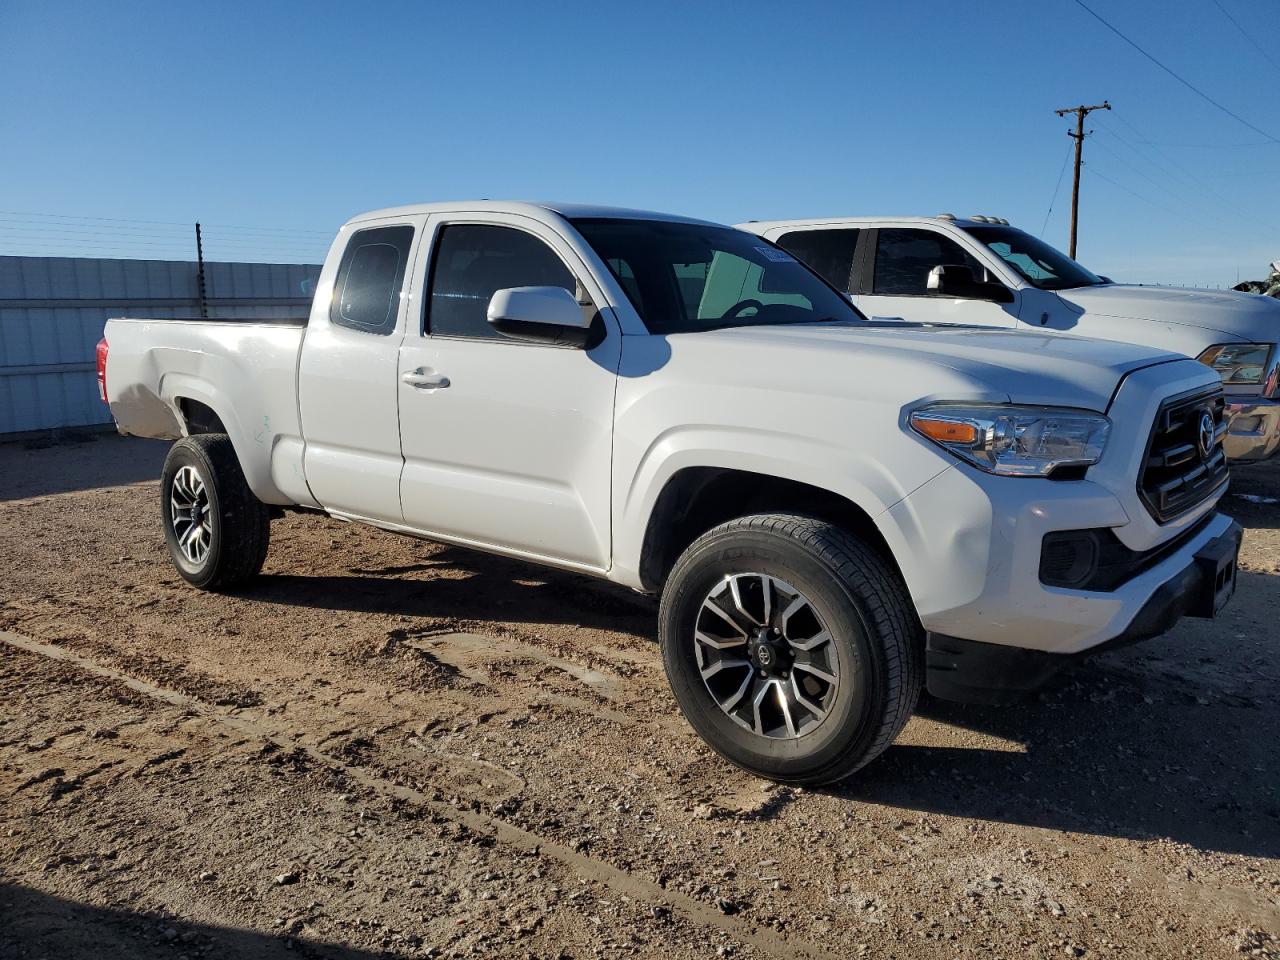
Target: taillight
x=102 y=369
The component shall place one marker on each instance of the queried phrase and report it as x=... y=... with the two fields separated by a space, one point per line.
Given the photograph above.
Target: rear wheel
x=216 y=529
x=791 y=647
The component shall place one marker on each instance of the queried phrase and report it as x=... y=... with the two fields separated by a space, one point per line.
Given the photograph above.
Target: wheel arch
x=201 y=407
x=199 y=417
x=695 y=499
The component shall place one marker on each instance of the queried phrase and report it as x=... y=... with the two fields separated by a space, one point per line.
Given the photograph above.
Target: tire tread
x=883 y=598
x=245 y=526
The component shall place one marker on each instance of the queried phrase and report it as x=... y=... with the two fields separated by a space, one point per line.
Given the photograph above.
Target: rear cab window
x=366 y=292
x=829 y=253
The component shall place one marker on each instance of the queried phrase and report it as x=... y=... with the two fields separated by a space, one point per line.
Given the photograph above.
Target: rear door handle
x=424 y=379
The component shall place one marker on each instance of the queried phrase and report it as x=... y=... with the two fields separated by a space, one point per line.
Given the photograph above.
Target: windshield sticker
x=776 y=255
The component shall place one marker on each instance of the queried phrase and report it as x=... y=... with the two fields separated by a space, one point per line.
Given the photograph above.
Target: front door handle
x=424 y=379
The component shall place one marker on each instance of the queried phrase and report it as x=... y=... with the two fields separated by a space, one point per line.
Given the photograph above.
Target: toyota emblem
x=1206 y=435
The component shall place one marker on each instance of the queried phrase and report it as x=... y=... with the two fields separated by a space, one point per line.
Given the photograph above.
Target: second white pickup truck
x=982 y=271
x=834 y=512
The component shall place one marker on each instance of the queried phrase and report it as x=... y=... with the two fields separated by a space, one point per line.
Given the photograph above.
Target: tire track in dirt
x=282 y=736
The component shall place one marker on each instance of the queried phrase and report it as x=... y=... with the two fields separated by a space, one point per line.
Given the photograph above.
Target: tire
x=234 y=526
x=850 y=594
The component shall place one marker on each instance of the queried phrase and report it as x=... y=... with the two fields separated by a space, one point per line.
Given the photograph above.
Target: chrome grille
x=1179 y=473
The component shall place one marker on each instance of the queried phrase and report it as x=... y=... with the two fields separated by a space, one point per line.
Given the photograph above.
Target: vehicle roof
x=758 y=226
x=537 y=210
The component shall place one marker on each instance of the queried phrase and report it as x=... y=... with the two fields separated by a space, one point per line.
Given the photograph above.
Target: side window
x=472 y=262
x=828 y=253
x=366 y=295
x=905 y=257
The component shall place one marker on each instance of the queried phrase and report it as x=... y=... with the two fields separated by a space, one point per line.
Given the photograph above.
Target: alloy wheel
x=189 y=514
x=766 y=655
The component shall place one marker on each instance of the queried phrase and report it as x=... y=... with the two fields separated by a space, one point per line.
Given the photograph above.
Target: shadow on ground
x=34 y=924
x=1175 y=738
x=85 y=461
x=1253 y=497
x=472 y=585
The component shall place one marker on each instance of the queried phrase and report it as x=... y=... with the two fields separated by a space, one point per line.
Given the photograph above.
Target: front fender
x=868 y=482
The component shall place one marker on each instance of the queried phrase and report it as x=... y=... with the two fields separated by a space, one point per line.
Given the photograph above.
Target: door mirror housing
x=548 y=315
x=955 y=280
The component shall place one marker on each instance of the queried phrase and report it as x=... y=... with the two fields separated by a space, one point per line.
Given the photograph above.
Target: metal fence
x=52 y=310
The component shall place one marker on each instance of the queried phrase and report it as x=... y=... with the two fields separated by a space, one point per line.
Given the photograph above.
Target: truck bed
x=246 y=372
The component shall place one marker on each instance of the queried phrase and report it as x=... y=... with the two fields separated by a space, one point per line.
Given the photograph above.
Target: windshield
x=1039 y=263
x=686 y=277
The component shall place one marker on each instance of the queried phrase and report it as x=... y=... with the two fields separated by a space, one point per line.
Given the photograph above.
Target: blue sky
x=274 y=122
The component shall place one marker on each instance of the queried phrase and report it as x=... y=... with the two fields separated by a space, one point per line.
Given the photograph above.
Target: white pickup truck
x=980 y=270
x=834 y=512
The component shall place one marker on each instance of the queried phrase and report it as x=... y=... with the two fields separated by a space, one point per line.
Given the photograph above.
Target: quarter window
x=828 y=253
x=474 y=261
x=370 y=277
x=905 y=257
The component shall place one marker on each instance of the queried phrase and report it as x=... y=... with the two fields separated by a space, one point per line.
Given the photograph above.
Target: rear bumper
x=970 y=671
x=1253 y=431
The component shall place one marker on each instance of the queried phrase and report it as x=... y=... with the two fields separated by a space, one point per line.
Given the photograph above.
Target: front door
x=897 y=285
x=506 y=443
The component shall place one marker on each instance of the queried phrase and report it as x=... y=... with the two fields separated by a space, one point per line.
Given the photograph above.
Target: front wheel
x=217 y=530
x=792 y=647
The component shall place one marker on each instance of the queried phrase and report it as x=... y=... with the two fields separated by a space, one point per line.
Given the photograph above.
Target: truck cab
x=981 y=270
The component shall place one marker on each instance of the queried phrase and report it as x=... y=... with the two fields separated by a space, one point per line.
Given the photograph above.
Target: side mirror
x=541 y=314
x=954 y=280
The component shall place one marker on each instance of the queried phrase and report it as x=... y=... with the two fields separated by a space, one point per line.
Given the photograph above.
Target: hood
x=1237 y=316
x=911 y=360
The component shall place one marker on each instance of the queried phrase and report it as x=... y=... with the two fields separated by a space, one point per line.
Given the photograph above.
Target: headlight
x=1012 y=440
x=1238 y=362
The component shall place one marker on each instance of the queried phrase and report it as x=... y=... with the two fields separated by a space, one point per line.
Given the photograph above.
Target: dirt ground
x=389 y=747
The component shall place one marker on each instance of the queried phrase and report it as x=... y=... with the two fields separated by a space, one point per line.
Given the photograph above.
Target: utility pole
x=204 y=303
x=1081 y=112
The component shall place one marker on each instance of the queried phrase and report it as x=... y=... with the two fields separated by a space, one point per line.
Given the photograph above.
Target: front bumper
x=1253 y=431
x=971 y=671
x=969 y=545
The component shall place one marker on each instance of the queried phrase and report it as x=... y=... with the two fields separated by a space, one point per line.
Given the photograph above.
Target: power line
x=108 y=252
x=142 y=242
x=1056 y=187
x=1142 y=197
x=77 y=229
x=1210 y=211
x=163 y=223
x=1186 y=83
x=1139 y=171
x=1247 y=35
x=1205 y=224
x=1209 y=146
x=1179 y=214
x=1183 y=172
